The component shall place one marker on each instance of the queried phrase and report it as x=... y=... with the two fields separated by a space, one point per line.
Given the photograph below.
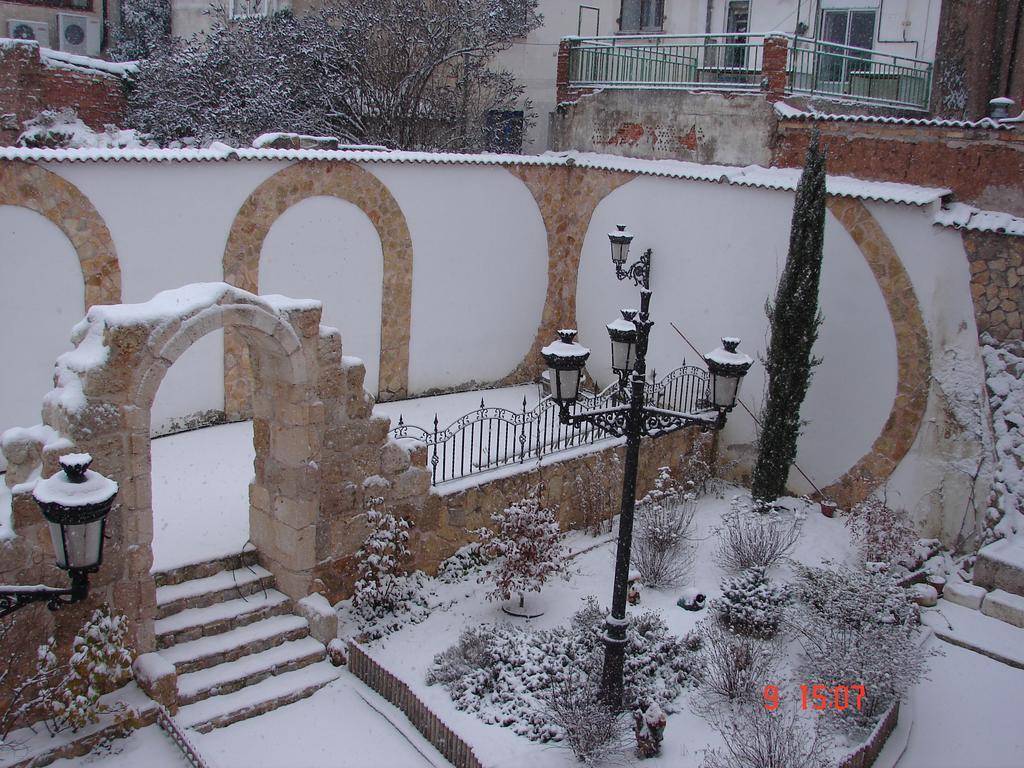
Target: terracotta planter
x=828 y=508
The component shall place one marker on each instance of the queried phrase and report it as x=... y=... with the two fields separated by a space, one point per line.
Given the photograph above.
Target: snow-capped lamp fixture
x=726 y=369
x=622 y=333
x=75 y=503
x=640 y=272
x=566 y=359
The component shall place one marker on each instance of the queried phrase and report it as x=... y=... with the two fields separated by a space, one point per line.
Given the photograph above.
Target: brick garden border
x=444 y=739
x=866 y=754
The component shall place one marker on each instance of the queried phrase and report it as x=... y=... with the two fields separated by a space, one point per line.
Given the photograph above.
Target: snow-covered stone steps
x=206 y=652
x=248 y=670
x=1004 y=606
x=253 y=700
x=209 y=590
x=1000 y=566
x=972 y=629
x=244 y=559
x=193 y=623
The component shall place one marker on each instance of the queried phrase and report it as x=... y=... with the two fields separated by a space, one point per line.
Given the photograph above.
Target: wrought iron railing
x=858 y=74
x=488 y=438
x=722 y=62
x=736 y=63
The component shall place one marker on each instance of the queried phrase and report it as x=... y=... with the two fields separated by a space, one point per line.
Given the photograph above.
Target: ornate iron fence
x=488 y=438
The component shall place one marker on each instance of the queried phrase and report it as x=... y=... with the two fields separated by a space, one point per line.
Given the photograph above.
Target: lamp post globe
x=620 y=240
x=566 y=359
x=726 y=369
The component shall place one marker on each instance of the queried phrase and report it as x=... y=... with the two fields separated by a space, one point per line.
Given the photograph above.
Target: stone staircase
x=236 y=645
x=987 y=616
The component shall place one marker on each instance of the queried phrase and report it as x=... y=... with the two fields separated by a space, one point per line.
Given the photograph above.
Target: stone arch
x=346 y=181
x=105 y=390
x=912 y=352
x=33 y=187
x=567 y=198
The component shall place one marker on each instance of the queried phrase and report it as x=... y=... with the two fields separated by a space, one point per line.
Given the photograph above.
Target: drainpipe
x=707 y=18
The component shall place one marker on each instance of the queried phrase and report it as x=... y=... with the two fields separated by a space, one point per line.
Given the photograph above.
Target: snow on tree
x=529 y=546
x=382 y=585
x=143 y=29
x=794 y=320
x=751 y=604
x=410 y=74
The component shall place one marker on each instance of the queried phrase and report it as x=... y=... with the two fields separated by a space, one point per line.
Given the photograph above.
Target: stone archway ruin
x=316 y=440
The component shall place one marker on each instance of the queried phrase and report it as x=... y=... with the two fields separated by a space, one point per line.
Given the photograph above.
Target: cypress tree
x=794 y=320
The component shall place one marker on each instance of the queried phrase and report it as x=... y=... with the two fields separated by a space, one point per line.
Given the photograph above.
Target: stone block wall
x=997 y=283
x=28 y=86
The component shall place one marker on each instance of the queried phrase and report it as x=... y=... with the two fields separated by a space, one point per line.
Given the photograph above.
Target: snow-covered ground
x=344 y=725
x=201 y=478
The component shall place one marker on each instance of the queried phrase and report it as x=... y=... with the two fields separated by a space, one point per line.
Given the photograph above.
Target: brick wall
x=982 y=166
x=28 y=86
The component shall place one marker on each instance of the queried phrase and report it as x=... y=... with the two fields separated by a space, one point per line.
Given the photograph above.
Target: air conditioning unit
x=79 y=34
x=29 y=30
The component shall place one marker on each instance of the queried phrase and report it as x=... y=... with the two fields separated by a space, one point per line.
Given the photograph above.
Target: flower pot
x=828 y=508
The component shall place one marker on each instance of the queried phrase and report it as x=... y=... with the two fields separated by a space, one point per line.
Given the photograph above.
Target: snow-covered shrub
x=502 y=672
x=386 y=596
x=882 y=534
x=751 y=604
x=63 y=129
x=756 y=538
x=754 y=737
x=27 y=674
x=462 y=563
x=590 y=728
x=663 y=548
x=701 y=471
x=527 y=547
x=143 y=28
x=733 y=666
x=597 y=490
x=858 y=628
x=100 y=662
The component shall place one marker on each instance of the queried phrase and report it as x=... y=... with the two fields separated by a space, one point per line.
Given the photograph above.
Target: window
x=243 y=9
x=847 y=27
x=641 y=15
x=737 y=22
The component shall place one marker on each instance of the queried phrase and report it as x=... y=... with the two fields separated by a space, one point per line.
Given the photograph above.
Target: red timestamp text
x=820 y=697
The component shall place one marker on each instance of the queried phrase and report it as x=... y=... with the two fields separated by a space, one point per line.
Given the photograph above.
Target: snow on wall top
x=64 y=60
x=752 y=176
x=91 y=351
x=962 y=216
x=787 y=112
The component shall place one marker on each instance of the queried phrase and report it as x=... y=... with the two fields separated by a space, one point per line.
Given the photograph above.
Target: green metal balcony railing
x=736 y=63
x=858 y=74
x=730 y=62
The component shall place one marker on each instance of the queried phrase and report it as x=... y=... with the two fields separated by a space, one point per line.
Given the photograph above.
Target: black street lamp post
x=75 y=503
x=634 y=419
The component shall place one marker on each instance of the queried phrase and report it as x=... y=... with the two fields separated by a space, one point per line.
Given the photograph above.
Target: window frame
x=643 y=5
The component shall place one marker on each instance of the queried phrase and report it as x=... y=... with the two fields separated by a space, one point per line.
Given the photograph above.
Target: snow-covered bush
x=502 y=672
x=751 y=604
x=756 y=538
x=701 y=470
x=100 y=662
x=464 y=562
x=663 y=548
x=883 y=534
x=386 y=596
x=27 y=673
x=858 y=628
x=63 y=129
x=590 y=728
x=144 y=27
x=754 y=737
x=733 y=666
x=527 y=547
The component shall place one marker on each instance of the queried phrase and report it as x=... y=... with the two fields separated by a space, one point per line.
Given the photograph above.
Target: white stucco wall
x=41 y=297
x=718 y=253
x=479 y=271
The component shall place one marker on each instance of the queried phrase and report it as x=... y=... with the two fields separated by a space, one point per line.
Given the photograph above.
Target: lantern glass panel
x=620 y=252
x=78 y=546
x=724 y=390
x=623 y=355
x=566 y=384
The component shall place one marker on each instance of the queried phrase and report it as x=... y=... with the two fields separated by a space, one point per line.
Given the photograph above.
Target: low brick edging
x=444 y=739
x=866 y=754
